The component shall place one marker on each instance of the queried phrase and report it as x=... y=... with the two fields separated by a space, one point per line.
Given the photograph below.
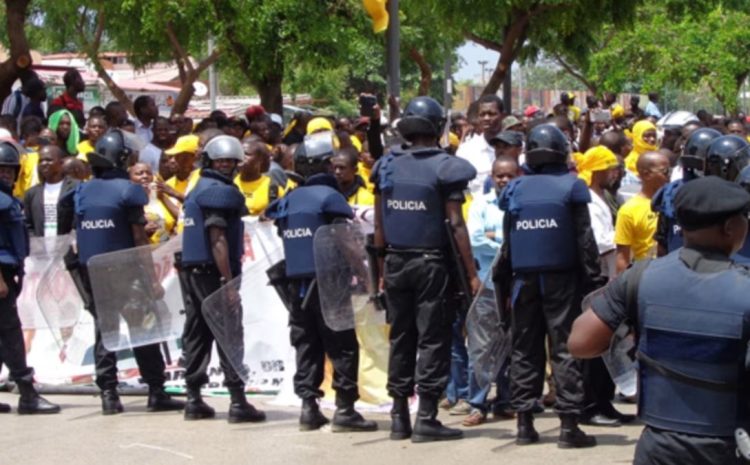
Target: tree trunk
x=513 y=39
x=271 y=97
x=425 y=80
x=183 y=98
x=19 y=61
x=116 y=90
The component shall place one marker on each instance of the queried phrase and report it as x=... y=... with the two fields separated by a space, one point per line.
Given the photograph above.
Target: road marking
x=162 y=449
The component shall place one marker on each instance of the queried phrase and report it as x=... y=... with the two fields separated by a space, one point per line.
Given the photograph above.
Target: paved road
x=82 y=436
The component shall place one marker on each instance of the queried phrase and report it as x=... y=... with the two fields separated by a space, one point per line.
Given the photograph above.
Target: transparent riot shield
x=57 y=297
x=620 y=356
x=489 y=341
x=44 y=252
x=240 y=318
x=342 y=271
x=129 y=296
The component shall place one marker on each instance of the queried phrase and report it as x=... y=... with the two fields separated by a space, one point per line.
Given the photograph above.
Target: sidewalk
x=81 y=435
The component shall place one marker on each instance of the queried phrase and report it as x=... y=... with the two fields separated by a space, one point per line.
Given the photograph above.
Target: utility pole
x=213 y=88
x=483 y=63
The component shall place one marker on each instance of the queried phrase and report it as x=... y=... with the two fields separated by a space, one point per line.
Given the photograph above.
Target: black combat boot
x=160 y=401
x=196 y=409
x=571 y=436
x=427 y=428
x=311 y=418
x=4 y=408
x=400 y=420
x=31 y=402
x=526 y=433
x=111 y=404
x=346 y=419
x=240 y=410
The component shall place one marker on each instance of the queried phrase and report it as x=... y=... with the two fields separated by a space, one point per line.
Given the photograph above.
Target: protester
x=644 y=140
x=95 y=128
x=259 y=189
x=160 y=212
x=350 y=183
x=478 y=150
x=145 y=113
x=636 y=222
x=64 y=124
x=40 y=201
x=69 y=100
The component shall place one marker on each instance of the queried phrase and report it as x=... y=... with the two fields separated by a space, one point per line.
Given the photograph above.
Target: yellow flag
x=379 y=14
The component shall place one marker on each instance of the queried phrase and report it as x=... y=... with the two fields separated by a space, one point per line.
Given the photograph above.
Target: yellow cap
x=617 y=111
x=184 y=144
x=319 y=124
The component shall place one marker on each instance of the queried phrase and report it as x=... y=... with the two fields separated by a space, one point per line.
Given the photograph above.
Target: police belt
x=205 y=268
x=414 y=251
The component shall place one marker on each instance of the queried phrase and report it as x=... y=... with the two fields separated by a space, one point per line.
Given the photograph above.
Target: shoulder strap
x=631 y=298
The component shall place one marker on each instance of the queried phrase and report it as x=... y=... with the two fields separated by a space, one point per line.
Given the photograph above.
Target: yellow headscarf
x=640 y=146
x=597 y=158
x=319 y=124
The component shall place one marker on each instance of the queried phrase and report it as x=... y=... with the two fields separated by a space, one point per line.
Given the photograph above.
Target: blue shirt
x=485 y=216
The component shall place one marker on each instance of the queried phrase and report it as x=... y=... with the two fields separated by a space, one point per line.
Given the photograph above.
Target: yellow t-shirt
x=364 y=172
x=183 y=187
x=635 y=227
x=84 y=149
x=466 y=205
x=157 y=212
x=361 y=197
x=28 y=176
x=257 y=193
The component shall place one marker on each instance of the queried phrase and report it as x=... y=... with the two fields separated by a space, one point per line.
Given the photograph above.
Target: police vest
x=298 y=215
x=213 y=192
x=102 y=208
x=542 y=233
x=413 y=186
x=664 y=205
x=14 y=238
x=696 y=325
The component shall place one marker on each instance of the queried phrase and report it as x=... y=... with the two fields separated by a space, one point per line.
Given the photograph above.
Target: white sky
x=469 y=56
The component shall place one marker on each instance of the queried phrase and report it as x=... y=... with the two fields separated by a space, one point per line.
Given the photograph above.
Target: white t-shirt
x=604 y=233
x=481 y=155
x=51 y=197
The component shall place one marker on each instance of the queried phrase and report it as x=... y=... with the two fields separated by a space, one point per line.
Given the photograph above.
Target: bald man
x=636 y=222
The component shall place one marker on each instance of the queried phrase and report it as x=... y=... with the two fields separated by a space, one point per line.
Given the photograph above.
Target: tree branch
x=424 y=69
x=177 y=47
x=490 y=44
x=570 y=70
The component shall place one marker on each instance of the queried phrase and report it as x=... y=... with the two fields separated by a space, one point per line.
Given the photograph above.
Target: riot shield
x=620 y=356
x=129 y=296
x=240 y=319
x=343 y=275
x=489 y=341
x=57 y=297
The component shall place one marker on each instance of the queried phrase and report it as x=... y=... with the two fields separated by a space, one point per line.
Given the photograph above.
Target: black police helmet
x=313 y=155
x=727 y=156
x=546 y=145
x=696 y=147
x=112 y=151
x=743 y=179
x=423 y=116
x=9 y=156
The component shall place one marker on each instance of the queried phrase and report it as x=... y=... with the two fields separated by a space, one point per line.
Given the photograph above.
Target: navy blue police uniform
x=105 y=208
x=668 y=233
x=550 y=259
x=215 y=201
x=692 y=323
x=297 y=216
x=14 y=248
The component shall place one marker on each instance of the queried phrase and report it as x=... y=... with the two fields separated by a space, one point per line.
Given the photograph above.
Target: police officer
x=297 y=216
x=109 y=217
x=14 y=248
x=417 y=187
x=212 y=249
x=727 y=158
x=551 y=254
x=693 y=160
x=692 y=323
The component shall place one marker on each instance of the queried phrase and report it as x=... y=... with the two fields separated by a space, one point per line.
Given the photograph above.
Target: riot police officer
x=418 y=187
x=693 y=160
x=297 y=216
x=109 y=217
x=692 y=322
x=212 y=249
x=549 y=258
x=14 y=248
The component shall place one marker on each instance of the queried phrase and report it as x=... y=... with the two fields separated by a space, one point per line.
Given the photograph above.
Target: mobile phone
x=601 y=116
x=366 y=105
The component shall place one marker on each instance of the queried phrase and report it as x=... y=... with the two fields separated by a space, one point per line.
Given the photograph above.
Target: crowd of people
x=542 y=206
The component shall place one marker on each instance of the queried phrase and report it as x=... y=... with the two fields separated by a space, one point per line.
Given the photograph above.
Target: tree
x=19 y=58
x=168 y=31
x=513 y=25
